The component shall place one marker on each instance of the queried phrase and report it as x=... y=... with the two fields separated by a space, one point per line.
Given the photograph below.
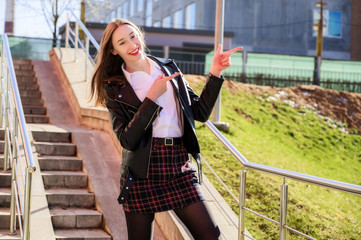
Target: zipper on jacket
x=155 y=112
x=150 y=152
x=125 y=103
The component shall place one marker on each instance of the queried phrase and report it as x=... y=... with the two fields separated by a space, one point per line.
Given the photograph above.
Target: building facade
x=270 y=26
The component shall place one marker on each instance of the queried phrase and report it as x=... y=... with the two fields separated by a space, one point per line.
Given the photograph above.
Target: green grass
x=278 y=135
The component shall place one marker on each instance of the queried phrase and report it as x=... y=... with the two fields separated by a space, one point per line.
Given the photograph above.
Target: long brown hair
x=108 y=65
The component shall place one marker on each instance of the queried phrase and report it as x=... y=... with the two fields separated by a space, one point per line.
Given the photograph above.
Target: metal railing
x=73 y=37
x=17 y=150
x=349 y=188
x=283 y=227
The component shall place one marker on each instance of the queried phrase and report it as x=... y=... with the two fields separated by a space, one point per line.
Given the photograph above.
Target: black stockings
x=139 y=226
x=198 y=221
x=195 y=217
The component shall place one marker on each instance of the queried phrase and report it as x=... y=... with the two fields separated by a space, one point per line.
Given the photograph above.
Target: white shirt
x=167 y=124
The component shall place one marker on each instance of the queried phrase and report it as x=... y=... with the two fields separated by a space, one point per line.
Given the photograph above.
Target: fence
x=259 y=79
x=286 y=71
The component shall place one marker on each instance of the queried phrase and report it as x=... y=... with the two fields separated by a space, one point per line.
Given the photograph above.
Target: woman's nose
x=132 y=44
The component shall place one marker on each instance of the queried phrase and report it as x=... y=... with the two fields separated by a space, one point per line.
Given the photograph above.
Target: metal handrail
x=15 y=124
x=336 y=185
x=77 y=42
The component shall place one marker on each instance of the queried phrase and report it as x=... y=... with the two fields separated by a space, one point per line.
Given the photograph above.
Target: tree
x=52 y=11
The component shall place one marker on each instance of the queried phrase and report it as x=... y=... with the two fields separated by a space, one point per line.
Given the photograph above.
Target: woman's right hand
x=159 y=86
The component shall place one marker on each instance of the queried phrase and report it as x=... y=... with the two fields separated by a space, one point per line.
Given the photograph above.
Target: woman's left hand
x=222 y=61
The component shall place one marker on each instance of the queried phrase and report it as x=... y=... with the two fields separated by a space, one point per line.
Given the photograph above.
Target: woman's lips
x=135 y=52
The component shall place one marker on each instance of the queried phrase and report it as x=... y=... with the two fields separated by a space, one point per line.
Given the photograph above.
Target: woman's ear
x=113 y=51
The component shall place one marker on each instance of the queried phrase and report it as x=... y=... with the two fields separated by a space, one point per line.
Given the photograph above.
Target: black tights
x=195 y=217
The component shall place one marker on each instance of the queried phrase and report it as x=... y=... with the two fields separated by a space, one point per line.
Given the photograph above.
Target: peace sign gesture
x=222 y=61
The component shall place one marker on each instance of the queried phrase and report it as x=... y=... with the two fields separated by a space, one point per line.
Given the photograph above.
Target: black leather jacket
x=132 y=119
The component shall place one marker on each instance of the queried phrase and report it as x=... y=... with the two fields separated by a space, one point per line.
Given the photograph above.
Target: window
x=132 y=7
x=190 y=16
x=331 y=22
x=178 y=19
x=156 y=24
x=334 y=24
x=148 y=13
x=166 y=22
x=140 y=5
x=126 y=9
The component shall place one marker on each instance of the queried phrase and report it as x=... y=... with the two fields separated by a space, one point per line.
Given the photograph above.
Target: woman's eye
x=121 y=43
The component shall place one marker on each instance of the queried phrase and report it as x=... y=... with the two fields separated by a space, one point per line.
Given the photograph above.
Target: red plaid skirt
x=172 y=182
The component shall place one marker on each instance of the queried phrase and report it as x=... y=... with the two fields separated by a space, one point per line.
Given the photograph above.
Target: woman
x=153 y=109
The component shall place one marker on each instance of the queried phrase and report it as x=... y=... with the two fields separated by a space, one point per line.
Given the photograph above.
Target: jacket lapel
x=127 y=96
x=167 y=71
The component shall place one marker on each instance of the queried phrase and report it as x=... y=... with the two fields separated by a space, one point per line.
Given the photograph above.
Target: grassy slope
x=278 y=135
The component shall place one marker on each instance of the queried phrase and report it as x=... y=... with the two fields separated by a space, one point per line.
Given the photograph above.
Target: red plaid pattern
x=172 y=182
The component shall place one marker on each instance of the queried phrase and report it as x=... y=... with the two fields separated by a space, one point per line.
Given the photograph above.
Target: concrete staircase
x=31 y=97
x=71 y=203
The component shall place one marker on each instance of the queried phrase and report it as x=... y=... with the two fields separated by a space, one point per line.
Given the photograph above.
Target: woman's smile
x=135 y=52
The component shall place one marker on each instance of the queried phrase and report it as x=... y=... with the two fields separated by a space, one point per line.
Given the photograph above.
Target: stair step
x=30 y=93
x=76 y=218
x=59 y=163
x=41 y=136
x=21 y=61
x=55 y=148
x=32 y=118
x=64 y=179
x=28 y=86
x=34 y=110
x=5 y=195
x=86 y=234
x=27 y=66
x=25 y=72
x=5 y=180
x=4 y=235
x=34 y=101
x=23 y=79
x=4 y=218
x=70 y=198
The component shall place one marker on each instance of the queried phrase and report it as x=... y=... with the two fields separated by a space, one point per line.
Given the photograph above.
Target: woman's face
x=127 y=43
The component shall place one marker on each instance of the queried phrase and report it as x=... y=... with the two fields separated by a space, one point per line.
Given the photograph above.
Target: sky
x=30 y=20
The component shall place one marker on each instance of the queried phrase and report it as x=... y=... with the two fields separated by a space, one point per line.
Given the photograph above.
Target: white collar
x=152 y=64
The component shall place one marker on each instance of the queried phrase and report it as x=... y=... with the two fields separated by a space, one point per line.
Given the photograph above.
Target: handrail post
x=2 y=61
x=242 y=203
x=6 y=139
x=67 y=30
x=27 y=202
x=86 y=57
x=283 y=211
x=76 y=41
x=12 y=200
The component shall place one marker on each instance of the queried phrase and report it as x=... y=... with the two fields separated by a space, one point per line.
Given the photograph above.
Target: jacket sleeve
x=130 y=126
x=202 y=105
